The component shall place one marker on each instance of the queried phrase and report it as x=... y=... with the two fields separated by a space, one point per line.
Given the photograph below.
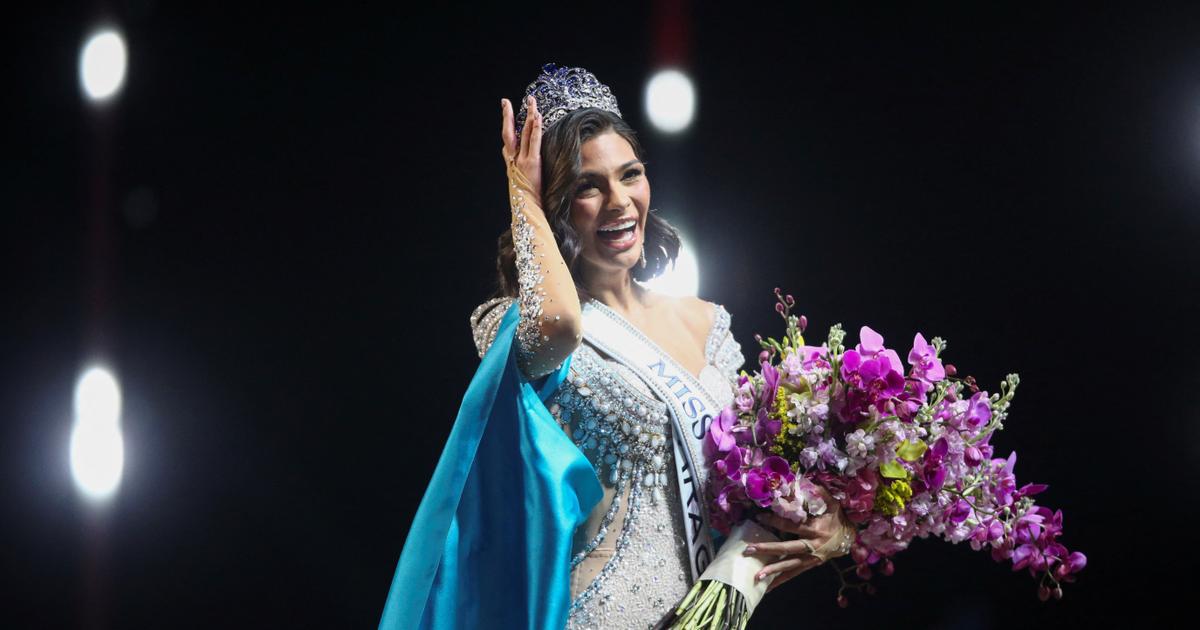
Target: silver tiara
x=560 y=91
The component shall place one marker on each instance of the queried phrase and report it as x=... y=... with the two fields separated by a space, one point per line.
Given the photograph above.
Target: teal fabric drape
x=490 y=544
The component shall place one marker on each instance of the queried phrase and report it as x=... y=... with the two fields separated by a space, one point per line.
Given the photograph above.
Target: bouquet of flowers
x=905 y=455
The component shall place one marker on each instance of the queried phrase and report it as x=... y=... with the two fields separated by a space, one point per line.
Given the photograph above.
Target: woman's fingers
x=535 y=135
x=507 y=134
x=787 y=564
x=527 y=129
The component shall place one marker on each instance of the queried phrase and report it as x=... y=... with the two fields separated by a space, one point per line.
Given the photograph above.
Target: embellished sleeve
x=723 y=351
x=550 y=324
x=485 y=321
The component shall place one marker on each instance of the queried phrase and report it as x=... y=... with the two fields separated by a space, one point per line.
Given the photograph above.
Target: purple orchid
x=979 y=410
x=872 y=382
x=731 y=465
x=768 y=482
x=720 y=437
x=871 y=346
x=770 y=385
x=766 y=427
x=924 y=361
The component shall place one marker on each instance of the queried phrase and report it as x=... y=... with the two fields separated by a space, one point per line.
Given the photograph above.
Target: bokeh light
x=97 y=448
x=670 y=101
x=102 y=64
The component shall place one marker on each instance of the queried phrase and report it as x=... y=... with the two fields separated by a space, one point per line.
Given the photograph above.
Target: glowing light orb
x=670 y=101
x=97 y=448
x=102 y=64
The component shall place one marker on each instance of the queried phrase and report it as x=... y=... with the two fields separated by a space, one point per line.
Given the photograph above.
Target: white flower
x=860 y=444
x=798 y=410
x=809 y=457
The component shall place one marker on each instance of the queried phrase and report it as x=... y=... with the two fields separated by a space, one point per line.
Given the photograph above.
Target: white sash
x=691 y=411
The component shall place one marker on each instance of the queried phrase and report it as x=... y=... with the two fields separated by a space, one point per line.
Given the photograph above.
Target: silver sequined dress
x=630 y=560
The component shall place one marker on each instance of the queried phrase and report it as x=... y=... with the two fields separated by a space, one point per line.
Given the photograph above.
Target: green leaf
x=892 y=470
x=912 y=451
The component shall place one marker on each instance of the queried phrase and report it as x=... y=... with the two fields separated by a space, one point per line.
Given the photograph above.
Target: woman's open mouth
x=619 y=236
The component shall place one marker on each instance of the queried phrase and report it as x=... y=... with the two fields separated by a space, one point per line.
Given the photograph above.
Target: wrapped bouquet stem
x=726 y=593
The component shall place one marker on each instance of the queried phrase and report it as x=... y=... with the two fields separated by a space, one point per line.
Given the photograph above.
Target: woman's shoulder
x=700 y=310
x=699 y=315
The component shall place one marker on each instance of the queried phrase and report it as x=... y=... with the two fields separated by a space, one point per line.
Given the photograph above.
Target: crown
x=560 y=91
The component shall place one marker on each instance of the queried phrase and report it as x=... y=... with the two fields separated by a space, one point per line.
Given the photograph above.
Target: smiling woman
x=576 y=196
x=572 y=476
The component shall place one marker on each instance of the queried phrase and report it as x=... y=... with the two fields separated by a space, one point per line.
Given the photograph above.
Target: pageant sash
x=691 y=411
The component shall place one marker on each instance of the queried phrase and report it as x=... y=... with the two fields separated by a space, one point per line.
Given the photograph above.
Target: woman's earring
x=642 y=260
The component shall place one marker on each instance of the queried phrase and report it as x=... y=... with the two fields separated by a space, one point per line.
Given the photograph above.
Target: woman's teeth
x=619 y=235
x=624 y=225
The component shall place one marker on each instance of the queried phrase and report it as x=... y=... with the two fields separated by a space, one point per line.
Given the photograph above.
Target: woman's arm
x=550 y=323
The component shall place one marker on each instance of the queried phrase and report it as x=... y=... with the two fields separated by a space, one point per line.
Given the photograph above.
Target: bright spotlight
x=97 y=398
x=670 y=101
x=97 y=448
x=683 y=279
x=102 y=65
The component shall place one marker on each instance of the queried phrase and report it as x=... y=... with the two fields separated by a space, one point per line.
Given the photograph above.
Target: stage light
x=97 y=447
x=683 y=279
x=102 y=65
x=670 y=101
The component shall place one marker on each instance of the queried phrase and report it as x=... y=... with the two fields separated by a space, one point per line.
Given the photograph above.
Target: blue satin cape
x=490 y=545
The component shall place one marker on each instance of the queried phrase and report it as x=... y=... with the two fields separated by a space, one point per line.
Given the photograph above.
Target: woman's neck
x=617 y=291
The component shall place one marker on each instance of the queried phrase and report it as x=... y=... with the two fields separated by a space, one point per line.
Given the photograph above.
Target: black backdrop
x=303 y=205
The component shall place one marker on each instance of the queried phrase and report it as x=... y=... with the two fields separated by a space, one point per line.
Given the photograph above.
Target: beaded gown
x=552 y=502
x=629 y=560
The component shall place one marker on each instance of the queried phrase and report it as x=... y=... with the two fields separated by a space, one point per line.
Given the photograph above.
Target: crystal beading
x=485 y=322
x=649 y=566
x=648 y=569
x=625 y=429
x=531 y=293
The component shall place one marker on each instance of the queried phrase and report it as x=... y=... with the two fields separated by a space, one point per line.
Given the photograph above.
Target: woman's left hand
x=794 y=557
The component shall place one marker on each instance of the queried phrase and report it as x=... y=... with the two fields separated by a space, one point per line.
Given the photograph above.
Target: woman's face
x=610 y=204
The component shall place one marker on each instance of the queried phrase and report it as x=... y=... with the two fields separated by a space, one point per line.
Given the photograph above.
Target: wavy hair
x=561 y=169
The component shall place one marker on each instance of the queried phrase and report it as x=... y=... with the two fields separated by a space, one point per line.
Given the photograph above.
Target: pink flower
x=744 y=398
x=768 y=482
x=1028 y=556
x=815 y=357
x=923 y=358
x=792 y=369
x=804 y=499
x=979 y=410
x=871 y=346
x=731 y=465
x=720 y=438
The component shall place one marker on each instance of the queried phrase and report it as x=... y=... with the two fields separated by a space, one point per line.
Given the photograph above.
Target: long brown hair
x=561 y=169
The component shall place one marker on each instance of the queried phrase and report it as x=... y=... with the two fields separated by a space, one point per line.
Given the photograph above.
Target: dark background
x=300 y=207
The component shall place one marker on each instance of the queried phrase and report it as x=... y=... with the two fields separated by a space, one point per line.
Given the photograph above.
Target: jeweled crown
x=560 y=91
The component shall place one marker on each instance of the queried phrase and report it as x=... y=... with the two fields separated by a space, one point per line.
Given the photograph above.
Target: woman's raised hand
x=525 y=153
x=550 y=326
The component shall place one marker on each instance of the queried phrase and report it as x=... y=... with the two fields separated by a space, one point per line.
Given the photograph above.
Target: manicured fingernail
x=759 y=577
x=751 y=549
